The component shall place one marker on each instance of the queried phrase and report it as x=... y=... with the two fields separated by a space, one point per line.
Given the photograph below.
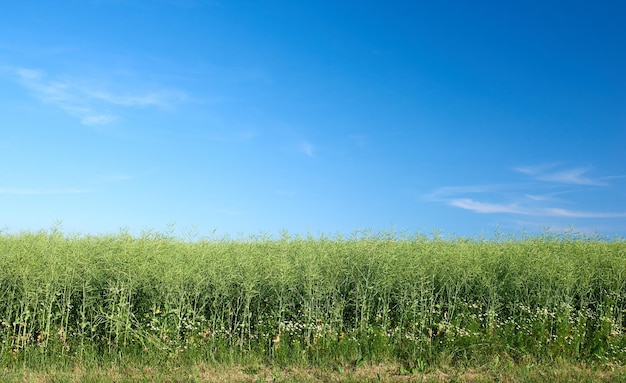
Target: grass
x=413 y=307
x=557 y=372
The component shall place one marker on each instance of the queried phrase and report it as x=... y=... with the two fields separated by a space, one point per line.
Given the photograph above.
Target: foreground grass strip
x=558 y=372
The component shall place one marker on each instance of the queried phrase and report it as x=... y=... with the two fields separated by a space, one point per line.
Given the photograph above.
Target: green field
x=386 y=305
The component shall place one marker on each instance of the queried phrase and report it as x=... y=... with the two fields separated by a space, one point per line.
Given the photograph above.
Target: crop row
x=413 y=300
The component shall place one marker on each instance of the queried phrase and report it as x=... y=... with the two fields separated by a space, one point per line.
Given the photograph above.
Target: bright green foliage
x=416 y=301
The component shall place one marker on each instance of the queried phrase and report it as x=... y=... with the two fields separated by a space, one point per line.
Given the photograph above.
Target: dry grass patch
x=560 y=372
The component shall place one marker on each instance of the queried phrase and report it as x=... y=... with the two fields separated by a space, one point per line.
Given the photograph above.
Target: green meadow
x=392 y=307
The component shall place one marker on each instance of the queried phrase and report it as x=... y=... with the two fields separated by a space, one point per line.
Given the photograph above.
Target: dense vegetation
x=416 y=302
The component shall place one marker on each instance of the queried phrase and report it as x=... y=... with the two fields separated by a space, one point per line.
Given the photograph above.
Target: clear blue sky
x=243 y=117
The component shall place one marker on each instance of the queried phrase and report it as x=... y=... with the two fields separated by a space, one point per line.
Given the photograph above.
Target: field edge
x=560 y=371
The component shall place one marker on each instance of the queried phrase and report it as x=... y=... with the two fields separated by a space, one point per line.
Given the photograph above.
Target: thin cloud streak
x=162 y=99
x=575 y=176
x=537 y=197
x=307 y=149
x=556 y=212
x=571 y=176
x=78 y=100
x=513 y=208
x=62 y=95
x=442 y=193
x=482 y=207
x=549 y=197
x=527 y=199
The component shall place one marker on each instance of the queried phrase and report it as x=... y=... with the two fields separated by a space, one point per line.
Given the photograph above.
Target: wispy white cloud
x=483 y=207
x=164 y=99
x=547 y=197
x=307 y=148
x=537 y=197
x=536 y=169
x=445 y=192
x=556 y=212
x=86 y=115
x=90 y=104
x=573 y=176
x=62 y=95
x=514 y=208
x=529 y=198
x=13 y=191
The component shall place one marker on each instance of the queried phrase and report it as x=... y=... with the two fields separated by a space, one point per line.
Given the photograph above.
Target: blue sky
x=248 y=117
